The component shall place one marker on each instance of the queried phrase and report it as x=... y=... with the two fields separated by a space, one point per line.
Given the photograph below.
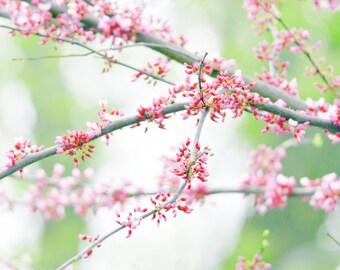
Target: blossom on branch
x=154 y=113
x=22 y=148
x=76 y=141
x=327 y=191
x=133 y=219
x=160 y=67
x=51 y=195
x=191 y=168
x=256 y=263
x=266 y=166
x=225 y=92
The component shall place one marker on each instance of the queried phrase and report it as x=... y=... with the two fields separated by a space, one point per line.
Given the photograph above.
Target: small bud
x=265 y=233
x=317 y=141
x=264 y=243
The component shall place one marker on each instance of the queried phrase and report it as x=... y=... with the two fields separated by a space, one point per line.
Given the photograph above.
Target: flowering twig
x=132 y=120
x=267 y=107
x=92 y=51
x=182 y=56
x=116 y=125
x=174 y=198
x=306 y=53
x=300 y=118
x=200 y=77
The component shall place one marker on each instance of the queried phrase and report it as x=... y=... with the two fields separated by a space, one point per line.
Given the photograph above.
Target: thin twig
x=93 y=51
x=180 y=55
x=51 y=57
x=132 y=120
x=200 y=78
x=307 y=54
x=116 y=125
x=331 y=237
x=173 y=199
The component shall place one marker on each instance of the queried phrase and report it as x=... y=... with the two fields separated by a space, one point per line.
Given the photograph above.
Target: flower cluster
x=170 y=183
x=133 y=219
x=89 y=239
x=163 y=203
x=324 y=110
x=256 y=263
x=294 y=40
x=180 y=195
x=266 y=17
x=225 y=92
x=266 y=166
x=327 y=191
x=117 y=22
x=155 y=112
x=280 y=125
x=190 y=167
x=160 y=67
x=21 y=149
x=328 y=76
x=335 y=138
x=78 y=140
x=28 y=20
x=106 y=118
x=324 y=4
x=50 y=196
x=261 y=13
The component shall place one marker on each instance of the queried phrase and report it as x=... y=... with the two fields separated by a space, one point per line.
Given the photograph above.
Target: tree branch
x=118 y=124
x=182 y=56
x=93 y=51
x=132 y=120
x=300 y=118
x=172 y=200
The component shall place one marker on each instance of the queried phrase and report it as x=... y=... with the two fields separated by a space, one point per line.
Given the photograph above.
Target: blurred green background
x=298 y=239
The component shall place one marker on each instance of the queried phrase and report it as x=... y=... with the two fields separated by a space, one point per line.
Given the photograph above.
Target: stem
x=300 y=118
x=93 y=51
x=200 y=78
x=331 y=237
x=182 y=56
x=174 y=198
x=307 y=54
x=118 y=124
x=131 y=120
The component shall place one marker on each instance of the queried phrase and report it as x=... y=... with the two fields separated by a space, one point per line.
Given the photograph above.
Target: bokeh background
x=43 y=98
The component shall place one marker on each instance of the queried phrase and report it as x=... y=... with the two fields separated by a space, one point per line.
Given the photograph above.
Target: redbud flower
x=21 y=149
x=327 y=191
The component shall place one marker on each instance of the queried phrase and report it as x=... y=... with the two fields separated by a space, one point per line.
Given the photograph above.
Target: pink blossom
x=154 y=113
x=77 y=140
x=160 y=67
x=191 y=168
x=22 y=148
x=133 y=219
x=327 y=191
x=266 y=167
x=324 y=4
x=256 y=263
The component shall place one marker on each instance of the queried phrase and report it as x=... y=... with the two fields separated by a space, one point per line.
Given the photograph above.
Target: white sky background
x=196 y=241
